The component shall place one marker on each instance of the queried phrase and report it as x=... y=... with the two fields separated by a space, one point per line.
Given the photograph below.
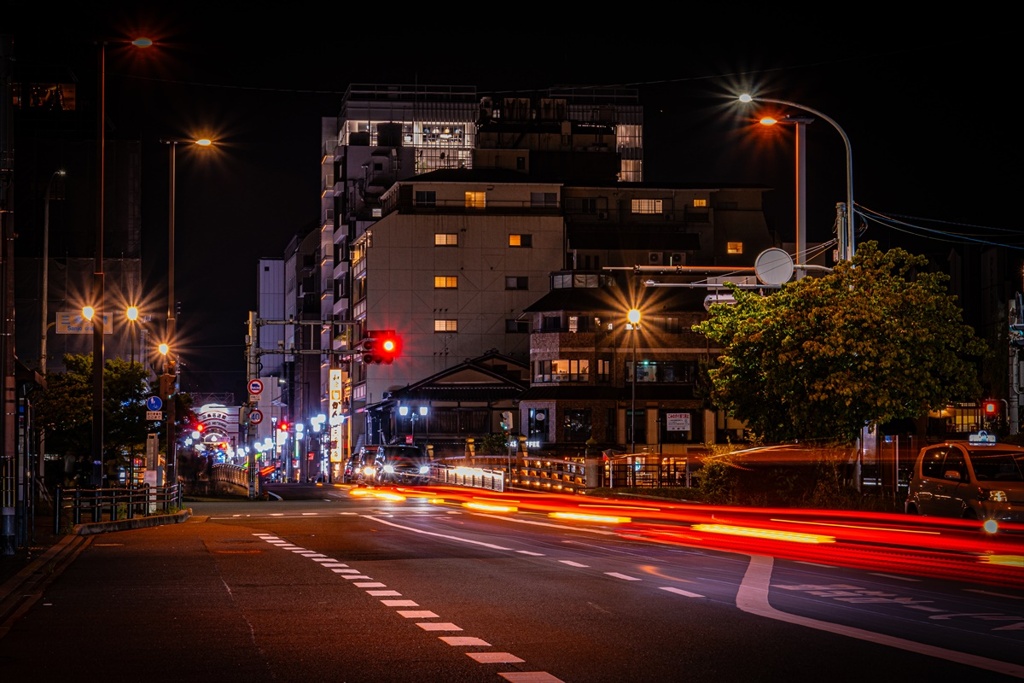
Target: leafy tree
x=64 y=410
x=492 y=444
x=875 y=340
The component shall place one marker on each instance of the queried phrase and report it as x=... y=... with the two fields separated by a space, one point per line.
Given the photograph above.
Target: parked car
x=401 y=464
x=973 y=479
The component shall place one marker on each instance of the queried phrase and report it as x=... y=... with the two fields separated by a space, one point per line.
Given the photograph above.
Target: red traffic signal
x=282 y=426
x=990 y=408
x=390 y=347
x=380 y=346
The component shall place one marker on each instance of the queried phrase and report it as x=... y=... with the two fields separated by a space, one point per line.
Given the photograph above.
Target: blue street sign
x=154 y=403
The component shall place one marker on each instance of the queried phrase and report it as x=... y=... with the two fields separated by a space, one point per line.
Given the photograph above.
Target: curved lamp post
x=846 y=237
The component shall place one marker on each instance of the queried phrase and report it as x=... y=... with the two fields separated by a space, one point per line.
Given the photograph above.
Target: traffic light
x=390 y=347
x=166 y=386
x=283 y=426
x=368 y=347
x=380 y=346
x=990 y=408
x=506 y=421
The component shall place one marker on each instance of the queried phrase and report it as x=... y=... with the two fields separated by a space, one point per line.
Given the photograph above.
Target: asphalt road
x=343 y=589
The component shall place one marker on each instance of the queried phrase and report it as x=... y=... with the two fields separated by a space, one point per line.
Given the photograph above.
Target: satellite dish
x=773 y=267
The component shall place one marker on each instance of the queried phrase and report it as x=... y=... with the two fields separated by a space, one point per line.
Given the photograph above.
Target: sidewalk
x=24 y=574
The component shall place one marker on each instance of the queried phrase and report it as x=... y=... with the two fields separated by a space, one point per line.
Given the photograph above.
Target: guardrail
x=77 y=505
x=474 y=477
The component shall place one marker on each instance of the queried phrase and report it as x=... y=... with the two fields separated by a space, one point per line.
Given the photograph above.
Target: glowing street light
x=846 y=236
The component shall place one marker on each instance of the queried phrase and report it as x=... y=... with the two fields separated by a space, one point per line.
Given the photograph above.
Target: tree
x=875 y=340
x=64 y=410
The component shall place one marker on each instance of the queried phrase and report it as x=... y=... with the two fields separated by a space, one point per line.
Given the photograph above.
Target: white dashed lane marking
x=377 y=589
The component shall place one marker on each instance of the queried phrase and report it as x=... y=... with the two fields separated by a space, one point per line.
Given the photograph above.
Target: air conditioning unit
x=675 y=258
x=654 y=258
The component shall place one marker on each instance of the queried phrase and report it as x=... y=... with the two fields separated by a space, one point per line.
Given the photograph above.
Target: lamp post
x=98 y=286
x=44 y=297
x=171 y=332
x=404 y=411
x=800 y=122
x=634 y=322
x=846 y=236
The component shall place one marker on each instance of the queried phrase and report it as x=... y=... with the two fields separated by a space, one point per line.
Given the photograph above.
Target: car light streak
x=775 y=535
x=1008 y=560
x=854 y=526
x=489 y=507
x=584 y=517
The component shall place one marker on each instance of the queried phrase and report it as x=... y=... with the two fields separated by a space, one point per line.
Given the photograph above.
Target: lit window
x=446 y=239
x=446 y=325
x=734 y=247
x=446 y=282
x=700 y=202
x=476 y=200
x=646 y=206
x=520 y=240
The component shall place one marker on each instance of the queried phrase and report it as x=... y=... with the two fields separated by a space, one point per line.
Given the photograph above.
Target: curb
x=90 y=528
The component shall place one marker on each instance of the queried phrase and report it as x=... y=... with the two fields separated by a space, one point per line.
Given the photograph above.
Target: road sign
x=152 y=415
x=154 y=403
x=255 y=416
x=255 y=386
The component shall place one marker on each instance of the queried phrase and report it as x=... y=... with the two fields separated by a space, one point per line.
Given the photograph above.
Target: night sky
x=928 y=106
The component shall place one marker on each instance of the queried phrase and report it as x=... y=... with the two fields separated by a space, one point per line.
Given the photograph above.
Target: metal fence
x=77 y=505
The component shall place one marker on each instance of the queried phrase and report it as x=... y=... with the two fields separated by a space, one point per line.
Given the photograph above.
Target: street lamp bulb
x=768 y=121
x=142 y=42
x=746 y=98
x=633 y=316
x=204 y=142
x=133 y=313
x=88 y=312
x=163 y=348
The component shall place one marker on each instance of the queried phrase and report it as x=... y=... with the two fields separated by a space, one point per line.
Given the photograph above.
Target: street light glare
x=142 y=42
x=768 y=121
x=746 y=98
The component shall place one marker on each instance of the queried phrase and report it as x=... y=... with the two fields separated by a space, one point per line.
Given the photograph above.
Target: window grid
x=446 y=282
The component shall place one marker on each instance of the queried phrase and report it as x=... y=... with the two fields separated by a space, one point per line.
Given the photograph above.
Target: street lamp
x=171 y=332
x=405 y=412
x=97 y=280
x=634 y=323
x=133 y=315
x=800 y=122
x=846 y=236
